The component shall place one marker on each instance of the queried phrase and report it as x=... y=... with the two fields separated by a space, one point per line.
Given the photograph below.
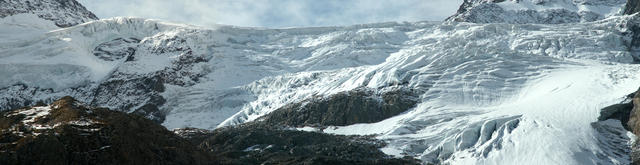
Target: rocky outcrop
x=270 y=139
x=628 y=114
x=632 y=7
x=634 y=29
x=138 y=94
x=253 y=143
x=362 y=105
x=634 y=126
x=542 y=12
x=67 y=132
x=619 y=111
x=634 y=118
x=124 y=89
x=63 y=13
x=116 y=49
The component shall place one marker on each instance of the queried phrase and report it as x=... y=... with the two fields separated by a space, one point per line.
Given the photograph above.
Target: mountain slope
x=201 y=77
x=68 y=132
x=456 y=92
x=632 y=7
x=64 y=13
x=536 y=11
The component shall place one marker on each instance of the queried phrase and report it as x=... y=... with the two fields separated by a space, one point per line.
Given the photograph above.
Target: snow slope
x=488 y=93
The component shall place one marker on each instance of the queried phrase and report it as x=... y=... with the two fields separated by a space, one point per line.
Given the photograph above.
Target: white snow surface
x=489 y=93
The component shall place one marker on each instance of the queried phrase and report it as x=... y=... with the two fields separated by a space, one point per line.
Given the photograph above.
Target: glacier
x=494 y=93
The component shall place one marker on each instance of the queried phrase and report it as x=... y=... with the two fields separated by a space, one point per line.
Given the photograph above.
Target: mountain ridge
x=536 y=11
x=64 y=13
x=477 y=89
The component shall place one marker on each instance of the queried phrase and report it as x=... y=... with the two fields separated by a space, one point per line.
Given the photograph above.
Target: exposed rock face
x=613 y=128
x=634 y=126
x=64 y=13
x=131 y=93
x=361 y=105
x=544 y=12
x=124 y=89
x=634 y=119
x=632 y=7
x=67 y=132
x=619 y=112
x=634 y=47
x=271 y=141
x=116 y=49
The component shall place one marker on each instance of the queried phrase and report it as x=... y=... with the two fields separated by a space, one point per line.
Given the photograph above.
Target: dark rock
x=132 y=93
x=194 y=135
x=631 y=121
x=68 y=132
x=270 y=140
x=124 y=90
x=614 y=137
x=21 y=95
x=634 y=119
x=361 y=105
x=254 y=144
x=634 y=125
x=488 y=11
x=116 y=49
x=181 y=72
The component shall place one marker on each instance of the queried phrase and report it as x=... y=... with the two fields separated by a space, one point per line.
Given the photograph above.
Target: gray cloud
x=276 y=13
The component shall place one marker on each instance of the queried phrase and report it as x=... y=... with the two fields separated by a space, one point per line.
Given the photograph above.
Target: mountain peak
x=536 y=11
x=64 y=13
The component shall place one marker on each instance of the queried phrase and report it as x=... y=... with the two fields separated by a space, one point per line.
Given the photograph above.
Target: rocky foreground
x=68 y=132
x=628 y=113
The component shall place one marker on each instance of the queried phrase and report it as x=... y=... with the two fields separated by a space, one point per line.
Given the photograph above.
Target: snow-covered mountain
x=460 y=93
x=632 y=7
x=64 y=13
x=537 y=11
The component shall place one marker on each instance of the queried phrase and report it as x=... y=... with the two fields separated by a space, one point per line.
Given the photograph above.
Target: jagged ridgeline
x=499 y=82
x=64 y=13
x=632 y=7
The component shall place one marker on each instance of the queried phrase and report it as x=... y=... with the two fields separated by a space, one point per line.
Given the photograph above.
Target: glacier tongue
x=63 y=13
x=492 y=93
x=488 y=93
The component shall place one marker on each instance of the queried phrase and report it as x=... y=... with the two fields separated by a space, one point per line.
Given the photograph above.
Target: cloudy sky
x=276 y=13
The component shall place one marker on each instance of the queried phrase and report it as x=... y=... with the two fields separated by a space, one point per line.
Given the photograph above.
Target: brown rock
x=66 y=132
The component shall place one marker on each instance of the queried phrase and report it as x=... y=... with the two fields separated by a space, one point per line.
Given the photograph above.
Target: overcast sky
x=276 y=13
